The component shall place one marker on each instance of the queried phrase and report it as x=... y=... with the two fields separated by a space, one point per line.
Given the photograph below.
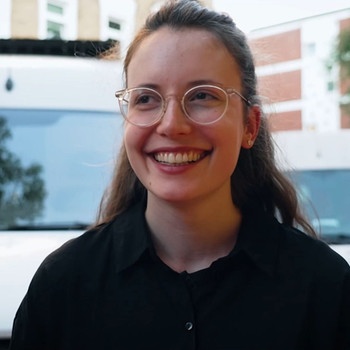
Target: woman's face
x=172 y=62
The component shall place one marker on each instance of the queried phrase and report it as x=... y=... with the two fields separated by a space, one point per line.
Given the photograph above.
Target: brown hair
x=257 y=184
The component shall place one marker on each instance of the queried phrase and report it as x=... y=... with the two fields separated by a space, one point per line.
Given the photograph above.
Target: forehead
x=189 y=51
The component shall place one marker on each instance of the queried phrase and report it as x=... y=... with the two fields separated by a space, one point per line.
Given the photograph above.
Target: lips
x=179 y=158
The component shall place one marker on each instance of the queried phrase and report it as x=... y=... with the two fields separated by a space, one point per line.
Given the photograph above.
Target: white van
x=319 y=164
x=60 y=130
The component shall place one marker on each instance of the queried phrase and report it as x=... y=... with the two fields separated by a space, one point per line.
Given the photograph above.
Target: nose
x=174 y=120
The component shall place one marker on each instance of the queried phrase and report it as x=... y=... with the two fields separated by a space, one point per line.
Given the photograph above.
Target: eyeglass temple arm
x=233 y=91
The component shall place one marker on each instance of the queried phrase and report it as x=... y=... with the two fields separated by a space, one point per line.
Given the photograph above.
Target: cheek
x=132 y=137
x=135 y=139
x=131 y=144
x=229 y=144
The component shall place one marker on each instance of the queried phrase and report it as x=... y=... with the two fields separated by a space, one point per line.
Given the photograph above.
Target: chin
x=172 y=196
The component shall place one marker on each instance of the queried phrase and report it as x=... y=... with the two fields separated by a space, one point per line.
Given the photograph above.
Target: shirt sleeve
x=343 y=341
x=23 y=336
x=32 y=318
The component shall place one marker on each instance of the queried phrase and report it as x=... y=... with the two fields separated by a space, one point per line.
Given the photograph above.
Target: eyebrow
x=150 y=86
x=206 y=82
x=189 y=85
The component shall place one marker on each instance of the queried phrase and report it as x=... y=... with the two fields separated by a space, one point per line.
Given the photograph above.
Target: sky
x=254 y=14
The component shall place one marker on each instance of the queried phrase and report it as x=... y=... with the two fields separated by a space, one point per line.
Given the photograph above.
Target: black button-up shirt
x=278 y=290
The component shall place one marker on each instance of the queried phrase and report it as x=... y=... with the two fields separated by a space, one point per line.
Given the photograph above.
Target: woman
x=195 y=245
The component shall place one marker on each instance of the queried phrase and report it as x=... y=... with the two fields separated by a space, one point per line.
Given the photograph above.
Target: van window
x=325 y=197
x=54 y=166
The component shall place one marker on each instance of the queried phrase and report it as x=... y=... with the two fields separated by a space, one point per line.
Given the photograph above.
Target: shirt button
x=189 y=325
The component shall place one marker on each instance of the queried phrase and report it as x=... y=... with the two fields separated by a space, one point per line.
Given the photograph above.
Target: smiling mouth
x=179 y=158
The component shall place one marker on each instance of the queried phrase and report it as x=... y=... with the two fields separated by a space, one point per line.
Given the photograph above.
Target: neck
x=190 y=237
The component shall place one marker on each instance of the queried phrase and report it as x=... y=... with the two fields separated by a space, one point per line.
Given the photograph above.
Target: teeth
x=177 y=158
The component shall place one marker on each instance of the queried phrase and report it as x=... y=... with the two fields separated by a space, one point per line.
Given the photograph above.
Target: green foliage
x=343 y=52
x=341 y=56
x=22 y=190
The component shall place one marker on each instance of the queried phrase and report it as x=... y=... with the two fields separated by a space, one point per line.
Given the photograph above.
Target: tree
x=342 y=57
x=22 y=190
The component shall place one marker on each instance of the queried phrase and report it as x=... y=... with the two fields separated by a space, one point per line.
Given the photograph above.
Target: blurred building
x=145 y=7
x=68 y=20
x=297 y=75
x=299 y=86
x=75 y=19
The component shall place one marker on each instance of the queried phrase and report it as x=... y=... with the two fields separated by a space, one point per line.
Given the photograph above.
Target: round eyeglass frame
x=227 y=91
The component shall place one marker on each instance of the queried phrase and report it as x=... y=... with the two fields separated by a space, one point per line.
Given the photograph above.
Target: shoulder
x=78 y=254
x=99 y=249
x=289 y=253
x=93 y=238
x=311 y=254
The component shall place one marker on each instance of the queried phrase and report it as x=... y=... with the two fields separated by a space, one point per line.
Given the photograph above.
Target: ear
x=252 y=126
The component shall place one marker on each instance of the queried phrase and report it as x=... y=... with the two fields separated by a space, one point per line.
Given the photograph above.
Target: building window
x=114 y=29
x=310 y=49
x=55 y=23
x=330 y=86
x=54 y=30
x=58 y=19
x=55 y=9
x=114 y=25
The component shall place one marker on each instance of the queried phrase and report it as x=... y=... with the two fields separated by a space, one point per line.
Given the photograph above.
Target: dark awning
x=88 y=48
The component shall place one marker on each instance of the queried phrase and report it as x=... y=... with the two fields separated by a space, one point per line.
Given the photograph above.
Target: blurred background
x=60 y=127
x=296 y=44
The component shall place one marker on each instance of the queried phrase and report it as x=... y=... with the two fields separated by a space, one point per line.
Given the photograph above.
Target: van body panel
x=61 y=130
x=319 y=164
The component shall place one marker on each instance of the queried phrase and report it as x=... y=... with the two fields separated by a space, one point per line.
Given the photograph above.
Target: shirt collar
x=131 y=238
x=258 y=239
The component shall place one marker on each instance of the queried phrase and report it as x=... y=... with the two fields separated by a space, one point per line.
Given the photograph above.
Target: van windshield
x=325 y=197
x=54 y=166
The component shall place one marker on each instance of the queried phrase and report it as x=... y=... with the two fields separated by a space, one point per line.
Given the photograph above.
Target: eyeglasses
x=203 y=104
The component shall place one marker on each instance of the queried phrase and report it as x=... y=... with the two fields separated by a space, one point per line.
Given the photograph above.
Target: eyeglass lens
x=202 y=104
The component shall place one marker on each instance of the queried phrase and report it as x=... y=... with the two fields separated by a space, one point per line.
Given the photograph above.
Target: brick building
x=295 y=76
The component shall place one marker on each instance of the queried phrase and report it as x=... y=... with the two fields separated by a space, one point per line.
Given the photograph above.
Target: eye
x=144 y=99
x=205 y=96
x=202 y=95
